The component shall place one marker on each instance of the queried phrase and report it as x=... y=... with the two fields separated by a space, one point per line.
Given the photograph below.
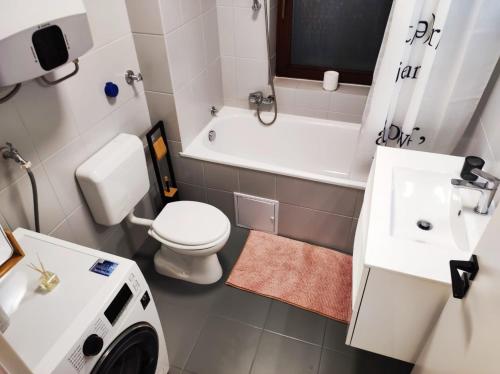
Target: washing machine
x=100 y=318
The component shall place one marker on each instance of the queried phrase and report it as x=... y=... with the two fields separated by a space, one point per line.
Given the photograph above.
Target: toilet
x=114 y=181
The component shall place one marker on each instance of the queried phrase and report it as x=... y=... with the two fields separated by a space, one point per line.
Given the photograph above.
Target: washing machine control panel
x=105 y=328
x=92 y=346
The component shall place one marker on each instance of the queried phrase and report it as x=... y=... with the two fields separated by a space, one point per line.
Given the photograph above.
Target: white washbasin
x=427 y=210
x=407 y=187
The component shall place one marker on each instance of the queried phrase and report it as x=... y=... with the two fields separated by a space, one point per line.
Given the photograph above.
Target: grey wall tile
x=257 y=183
x=359 y=203
x=314 y=226
x=192 y=192
x=350 y=245
x=221 y=177
x=188 y=170
x=320 y=196
x=222 y=200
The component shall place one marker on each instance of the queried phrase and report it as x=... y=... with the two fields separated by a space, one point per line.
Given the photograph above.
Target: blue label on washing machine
x=104 y=267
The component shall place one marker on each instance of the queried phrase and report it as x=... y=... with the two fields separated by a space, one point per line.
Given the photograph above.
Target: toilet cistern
x=115 y=180
x=486 y=184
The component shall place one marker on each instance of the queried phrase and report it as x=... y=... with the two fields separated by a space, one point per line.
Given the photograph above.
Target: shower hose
x=269 y=72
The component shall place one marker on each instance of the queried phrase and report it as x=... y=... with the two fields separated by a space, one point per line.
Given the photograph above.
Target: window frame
x=284 y=66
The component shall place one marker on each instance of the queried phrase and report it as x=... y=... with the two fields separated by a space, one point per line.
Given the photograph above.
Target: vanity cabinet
x=400 y=276
x=394 y=314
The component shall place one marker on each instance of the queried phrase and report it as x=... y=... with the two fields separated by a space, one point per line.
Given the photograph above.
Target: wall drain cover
x=424 y=225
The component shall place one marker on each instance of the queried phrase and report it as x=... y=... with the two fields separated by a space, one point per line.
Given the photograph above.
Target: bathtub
x=301 y=147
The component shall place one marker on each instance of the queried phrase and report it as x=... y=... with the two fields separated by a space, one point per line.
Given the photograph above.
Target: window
x=318 y=35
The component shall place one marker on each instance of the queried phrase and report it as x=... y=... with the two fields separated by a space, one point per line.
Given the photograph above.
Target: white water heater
x=38 y=36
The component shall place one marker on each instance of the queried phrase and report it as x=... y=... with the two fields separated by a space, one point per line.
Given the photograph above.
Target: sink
x=426 y=209
x=415 y=221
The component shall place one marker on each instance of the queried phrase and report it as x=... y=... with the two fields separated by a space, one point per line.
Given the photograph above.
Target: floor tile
x=333 y=362
x=335 y=335
x=181 y=327
x=224 y=347
x=232 y=250
x=278 y=354
x=295 y=322
x=242 y=306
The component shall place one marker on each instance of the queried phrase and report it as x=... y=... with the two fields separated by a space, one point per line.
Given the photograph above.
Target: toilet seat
x=190 y=226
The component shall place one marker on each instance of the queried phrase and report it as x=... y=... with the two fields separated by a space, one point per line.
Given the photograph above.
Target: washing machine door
x=134 y=351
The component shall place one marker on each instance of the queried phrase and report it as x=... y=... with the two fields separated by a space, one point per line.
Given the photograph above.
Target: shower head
x=256 y=5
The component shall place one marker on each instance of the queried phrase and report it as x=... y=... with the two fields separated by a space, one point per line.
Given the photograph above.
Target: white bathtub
x=295 y=146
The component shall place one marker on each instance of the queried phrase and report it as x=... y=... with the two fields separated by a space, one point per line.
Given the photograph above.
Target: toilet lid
x=190 y=223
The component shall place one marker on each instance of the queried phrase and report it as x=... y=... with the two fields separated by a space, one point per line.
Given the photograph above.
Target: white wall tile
x=16 y=203
x=211 y=36
x=186 y=51
x=133 y=117
x=145 y=16
x=251 y=76
x=225 y=19
x=61 y=168
x=153 y=62
x=348 y=104
x=87 y=232
x=250 y=34
x=64 y=232
x=162 y=108
x=12 y=130
x=108 y=20
x=229 y=81
x=490 y=119
x=224 y=2
x=47 y=116
x=85 y=91
x=208 y=5
x=101 y=133
x=171 y=14
x=190 y=9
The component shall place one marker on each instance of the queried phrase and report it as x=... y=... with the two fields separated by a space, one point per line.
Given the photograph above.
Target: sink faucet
x=486 y=184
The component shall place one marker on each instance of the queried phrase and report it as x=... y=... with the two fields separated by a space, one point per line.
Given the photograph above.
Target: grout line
x=293 y=338
x=195 y=343
x=317 y=210
x=260 y=337
x=322 y=346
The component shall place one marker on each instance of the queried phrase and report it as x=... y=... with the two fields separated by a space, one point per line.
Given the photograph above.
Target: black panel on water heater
x=50 y=47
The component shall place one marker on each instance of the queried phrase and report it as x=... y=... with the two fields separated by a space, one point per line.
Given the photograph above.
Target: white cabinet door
x=466 y=338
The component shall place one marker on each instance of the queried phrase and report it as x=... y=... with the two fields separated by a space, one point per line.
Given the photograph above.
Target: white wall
x=244 y=57
x=482 y=137
x=243 y=48
x=192 y=42
x=59 y=127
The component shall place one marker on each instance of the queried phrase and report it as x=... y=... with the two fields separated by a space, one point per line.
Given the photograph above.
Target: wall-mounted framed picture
x=10 y=251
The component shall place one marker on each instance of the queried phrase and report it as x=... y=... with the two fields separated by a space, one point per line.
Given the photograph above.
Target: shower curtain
x=434 y=63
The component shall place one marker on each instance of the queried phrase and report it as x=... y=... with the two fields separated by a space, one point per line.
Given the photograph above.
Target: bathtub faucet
x=259 y=99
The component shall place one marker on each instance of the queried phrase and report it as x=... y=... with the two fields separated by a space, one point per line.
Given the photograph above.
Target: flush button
x=145 y=299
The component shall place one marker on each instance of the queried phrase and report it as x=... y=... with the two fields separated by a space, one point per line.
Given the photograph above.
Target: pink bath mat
x=310 y=277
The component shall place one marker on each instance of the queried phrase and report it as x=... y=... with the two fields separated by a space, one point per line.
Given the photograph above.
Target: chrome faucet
x=486 y=184
x=259 y=99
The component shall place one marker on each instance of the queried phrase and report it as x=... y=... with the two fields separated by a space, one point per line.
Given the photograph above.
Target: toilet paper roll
x=331 y=80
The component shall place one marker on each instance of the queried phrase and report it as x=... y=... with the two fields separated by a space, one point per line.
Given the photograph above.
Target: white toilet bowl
x=191 y=234
x=115 y=179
